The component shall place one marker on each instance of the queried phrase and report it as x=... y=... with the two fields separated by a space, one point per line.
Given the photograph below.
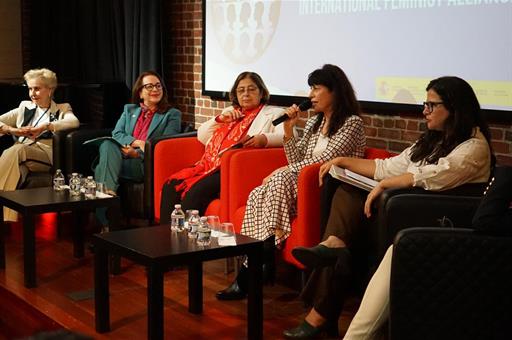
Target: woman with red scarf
x=248 y=122
x=149 y=116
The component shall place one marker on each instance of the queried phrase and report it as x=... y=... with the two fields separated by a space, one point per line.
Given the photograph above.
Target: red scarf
x=223 y=138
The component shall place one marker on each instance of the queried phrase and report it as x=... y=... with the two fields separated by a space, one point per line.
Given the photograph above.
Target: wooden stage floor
x=65 y=285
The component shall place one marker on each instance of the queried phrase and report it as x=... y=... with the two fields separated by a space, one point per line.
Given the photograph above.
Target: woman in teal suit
x=149 y=116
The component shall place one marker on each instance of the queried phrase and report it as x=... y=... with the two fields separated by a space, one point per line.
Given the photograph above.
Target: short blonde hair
x=48 y=77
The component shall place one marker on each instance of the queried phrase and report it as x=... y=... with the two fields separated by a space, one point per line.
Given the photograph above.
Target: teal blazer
x=167 y=123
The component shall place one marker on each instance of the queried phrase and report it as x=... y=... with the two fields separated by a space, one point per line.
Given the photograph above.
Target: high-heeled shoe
x=307 y=331
x=318 y=256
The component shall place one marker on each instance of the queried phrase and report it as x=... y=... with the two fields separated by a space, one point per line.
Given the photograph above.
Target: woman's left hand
x=129 y=152
x=256 y=141
x=138 y=144
x=34 y=132
x=370 y=198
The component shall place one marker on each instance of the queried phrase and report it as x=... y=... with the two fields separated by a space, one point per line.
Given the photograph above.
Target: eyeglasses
x=150 y=87
x=250 y=89
x=430 y=106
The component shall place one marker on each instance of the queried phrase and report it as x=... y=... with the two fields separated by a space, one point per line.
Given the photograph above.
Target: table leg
x=255 y=294
x=101 y=290
x=155 y=303
x=195 y=288
x=78 y=233
x=29 y=250
x=3 y=227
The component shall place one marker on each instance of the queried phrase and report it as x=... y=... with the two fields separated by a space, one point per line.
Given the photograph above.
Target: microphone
x=304 y=106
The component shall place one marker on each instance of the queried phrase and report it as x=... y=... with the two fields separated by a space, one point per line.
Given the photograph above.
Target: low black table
x=30 y=202
x=158 y=249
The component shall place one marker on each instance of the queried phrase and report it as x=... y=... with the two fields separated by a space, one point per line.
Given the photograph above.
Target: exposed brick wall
x=394 y=132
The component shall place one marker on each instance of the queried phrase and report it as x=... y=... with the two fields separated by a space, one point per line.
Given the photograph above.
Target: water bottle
x=58 y=180
x=90 y=188
x=193 y=224
x=177 y=218
x=203 y=232
x=74 y=184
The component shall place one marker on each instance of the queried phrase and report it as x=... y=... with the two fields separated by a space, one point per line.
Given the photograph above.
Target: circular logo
x=244 y=29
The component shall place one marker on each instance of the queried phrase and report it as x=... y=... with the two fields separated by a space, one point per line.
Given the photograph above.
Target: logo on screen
x=245 y=29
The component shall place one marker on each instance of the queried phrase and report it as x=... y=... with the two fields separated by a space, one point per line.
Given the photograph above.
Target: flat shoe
x=233 y=292
x=317 y=256
x=303 y=331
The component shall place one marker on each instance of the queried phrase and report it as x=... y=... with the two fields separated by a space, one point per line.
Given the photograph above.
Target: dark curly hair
x=344 y=104
x=464 y=115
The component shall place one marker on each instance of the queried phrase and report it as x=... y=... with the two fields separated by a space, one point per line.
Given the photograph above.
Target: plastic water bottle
x=74 y=184
x=58 y=180
x=177 y=218
x=203 y=232
x=90 y=188
x=193 y=224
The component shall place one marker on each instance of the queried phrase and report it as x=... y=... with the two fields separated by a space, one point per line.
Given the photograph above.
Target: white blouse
x=469 y=162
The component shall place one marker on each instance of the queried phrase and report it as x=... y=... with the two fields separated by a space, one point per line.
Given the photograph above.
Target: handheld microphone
x=304 y=106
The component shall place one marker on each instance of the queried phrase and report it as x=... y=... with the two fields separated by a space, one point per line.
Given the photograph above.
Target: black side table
x=30 y=202
x=158 y=249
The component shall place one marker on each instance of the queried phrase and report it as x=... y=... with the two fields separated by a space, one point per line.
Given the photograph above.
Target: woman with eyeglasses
x=31 y=125
x=454 y=150
x=246 y=123
x=150 y=115
x=335 y=130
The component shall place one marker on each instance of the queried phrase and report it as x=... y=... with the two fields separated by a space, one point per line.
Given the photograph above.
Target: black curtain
x=96 y=41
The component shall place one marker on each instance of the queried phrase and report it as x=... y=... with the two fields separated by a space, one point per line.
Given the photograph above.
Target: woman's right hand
x=230 y=115
x=324 y=168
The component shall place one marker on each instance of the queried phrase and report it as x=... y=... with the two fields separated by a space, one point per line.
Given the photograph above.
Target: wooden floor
x=65 y=285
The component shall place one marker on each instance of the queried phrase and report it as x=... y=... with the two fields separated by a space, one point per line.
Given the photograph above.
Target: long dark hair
x=265 y=95
x=464 y=115
x=344 y=104
x=164 y=104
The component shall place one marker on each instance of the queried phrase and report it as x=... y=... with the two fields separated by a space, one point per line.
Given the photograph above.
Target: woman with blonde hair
x=31 y=125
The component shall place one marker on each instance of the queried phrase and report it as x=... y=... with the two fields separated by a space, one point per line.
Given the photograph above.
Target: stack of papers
x=352 y=178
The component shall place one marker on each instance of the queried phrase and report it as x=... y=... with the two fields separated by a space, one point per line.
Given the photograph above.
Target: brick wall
x=183 y=56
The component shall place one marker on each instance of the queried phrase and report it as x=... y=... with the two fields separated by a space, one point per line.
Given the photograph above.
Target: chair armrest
x=79 y=158
x=171 y=154
x=398 y=209
x=440 y=280
x=149 y=150
x=246 y=169
x=59 y=150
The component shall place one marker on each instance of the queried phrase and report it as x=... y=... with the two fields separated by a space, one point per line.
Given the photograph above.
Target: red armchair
x=172 y=155
x=305 y=226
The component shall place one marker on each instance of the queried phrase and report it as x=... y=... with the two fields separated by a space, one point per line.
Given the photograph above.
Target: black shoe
x=307 y=331
x=303 y=331
x=238 y=289
x=317 y=256
x=233 y=292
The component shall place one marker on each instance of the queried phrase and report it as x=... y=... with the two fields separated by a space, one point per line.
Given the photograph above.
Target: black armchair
x=137 y=198
x=450 y=284
x=43 y=179
x=398 y=209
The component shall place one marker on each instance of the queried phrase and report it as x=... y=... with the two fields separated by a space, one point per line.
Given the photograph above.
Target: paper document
x=352 y=178
x=97 y=141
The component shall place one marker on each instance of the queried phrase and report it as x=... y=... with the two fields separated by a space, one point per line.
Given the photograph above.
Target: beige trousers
x=374 y=309
x=31 y=156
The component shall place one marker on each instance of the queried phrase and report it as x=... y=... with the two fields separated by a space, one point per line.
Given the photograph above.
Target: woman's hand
x=230 y=116
x=129 y=152
x=138 y=144
x=371 y=197
x=293 y=113
x=266 y=179
x=34 y=132
x=256 y=141
x=324 y=168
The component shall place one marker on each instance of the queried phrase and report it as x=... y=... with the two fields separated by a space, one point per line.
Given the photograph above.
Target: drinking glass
x=226 y=234
x=214 y=224
x=100 y=187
